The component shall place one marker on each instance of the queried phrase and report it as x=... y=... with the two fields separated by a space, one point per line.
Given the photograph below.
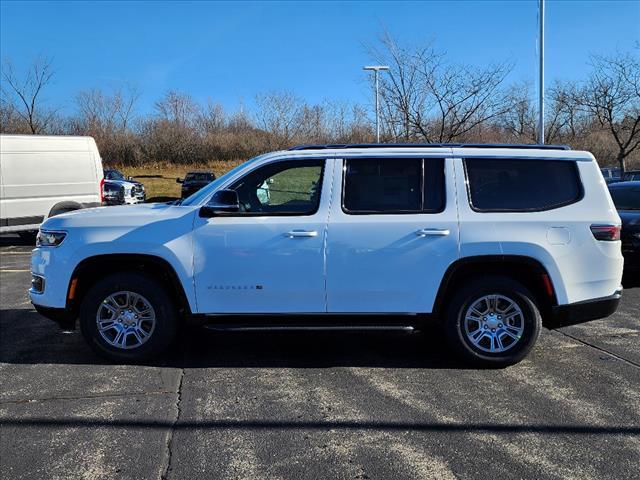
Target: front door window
x=282 y=188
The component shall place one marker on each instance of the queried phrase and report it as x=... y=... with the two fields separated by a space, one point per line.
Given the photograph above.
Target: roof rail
x=526 y=146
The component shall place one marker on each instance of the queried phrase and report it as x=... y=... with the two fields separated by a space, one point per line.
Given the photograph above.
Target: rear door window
x=515 y=185
x=393 y=185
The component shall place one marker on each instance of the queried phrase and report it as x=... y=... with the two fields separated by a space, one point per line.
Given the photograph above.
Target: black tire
x=62 y=210
x=529 y=321
x=157 y=296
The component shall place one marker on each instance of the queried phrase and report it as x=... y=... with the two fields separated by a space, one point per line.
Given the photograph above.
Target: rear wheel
x=60 y=211
x=128 y=316
x=493 y=321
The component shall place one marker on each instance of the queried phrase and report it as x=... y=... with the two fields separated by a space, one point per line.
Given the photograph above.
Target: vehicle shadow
x=28 y=338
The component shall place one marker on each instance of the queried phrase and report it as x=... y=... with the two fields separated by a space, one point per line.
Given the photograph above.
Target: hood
x=124 y=216
x=191 y=183
x=124 y=183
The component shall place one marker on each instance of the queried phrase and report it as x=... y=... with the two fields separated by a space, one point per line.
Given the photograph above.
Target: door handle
x=301 y=233
x=433 y=232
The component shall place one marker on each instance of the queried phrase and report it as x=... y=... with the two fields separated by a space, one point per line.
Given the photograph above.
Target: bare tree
x=465 y=98
x=177 y=108
x=212 y=118
x=240 y=121
x=427 y=98
x=612 y=96
x=25 y=94
x=107 y=113
x=401 y=91
x=519 y=121
x=10 y=121
x=109 y=118
x=279 y=114
x=346 y=123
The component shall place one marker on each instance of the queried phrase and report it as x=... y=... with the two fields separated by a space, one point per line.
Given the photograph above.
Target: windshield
x=198 y=177
x=113 y=175
x=626 y=198
x=201 y=194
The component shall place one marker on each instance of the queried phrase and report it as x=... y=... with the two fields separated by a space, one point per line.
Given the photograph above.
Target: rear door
x=393 y=232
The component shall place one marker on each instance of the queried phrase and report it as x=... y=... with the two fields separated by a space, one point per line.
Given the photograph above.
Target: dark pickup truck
x=194 y=181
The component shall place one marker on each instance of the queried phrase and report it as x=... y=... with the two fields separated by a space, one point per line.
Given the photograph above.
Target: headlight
x=50 y=239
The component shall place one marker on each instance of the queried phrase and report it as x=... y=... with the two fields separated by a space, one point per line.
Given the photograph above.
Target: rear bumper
x=580 y=312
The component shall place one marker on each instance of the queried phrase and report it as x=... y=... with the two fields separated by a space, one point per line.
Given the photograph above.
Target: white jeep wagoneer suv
x=490 y=240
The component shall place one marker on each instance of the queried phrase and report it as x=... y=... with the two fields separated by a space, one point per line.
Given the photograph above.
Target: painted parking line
x=7 y=270
x=14 y=253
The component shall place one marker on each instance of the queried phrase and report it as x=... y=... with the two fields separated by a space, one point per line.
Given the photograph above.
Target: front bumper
x=110 y=201
x=134 y=199
x=581 y=312
x=54 y=268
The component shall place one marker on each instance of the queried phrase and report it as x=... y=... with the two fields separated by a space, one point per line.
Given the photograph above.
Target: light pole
x=376 y=69
x=541 y=72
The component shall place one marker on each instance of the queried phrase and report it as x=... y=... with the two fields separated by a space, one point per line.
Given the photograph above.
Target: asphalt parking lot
x=314 y=406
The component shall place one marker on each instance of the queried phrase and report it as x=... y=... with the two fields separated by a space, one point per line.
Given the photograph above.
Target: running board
x=309 y=328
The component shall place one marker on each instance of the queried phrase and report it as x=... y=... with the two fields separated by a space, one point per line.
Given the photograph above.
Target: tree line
x=423 y=98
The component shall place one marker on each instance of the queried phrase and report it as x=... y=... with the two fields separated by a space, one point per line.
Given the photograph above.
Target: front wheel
x=493 y=321
x=128 y=317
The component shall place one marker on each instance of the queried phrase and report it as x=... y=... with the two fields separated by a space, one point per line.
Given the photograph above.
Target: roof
x=341 y=146
x=46 y=143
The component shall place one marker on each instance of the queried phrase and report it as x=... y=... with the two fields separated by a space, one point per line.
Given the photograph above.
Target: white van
x=43 y=176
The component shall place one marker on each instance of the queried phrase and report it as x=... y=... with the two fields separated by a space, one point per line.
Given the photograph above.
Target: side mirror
x=179 y=180
x=223 y=201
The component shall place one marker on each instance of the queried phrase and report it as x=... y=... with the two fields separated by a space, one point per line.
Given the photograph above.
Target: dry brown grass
x=160 y=179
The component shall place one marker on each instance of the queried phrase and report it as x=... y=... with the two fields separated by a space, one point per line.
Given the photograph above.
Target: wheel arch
x=527 y=270
x=89 y=270
x=66 y=205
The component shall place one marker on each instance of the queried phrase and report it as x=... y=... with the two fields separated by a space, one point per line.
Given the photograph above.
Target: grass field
x=160 y=179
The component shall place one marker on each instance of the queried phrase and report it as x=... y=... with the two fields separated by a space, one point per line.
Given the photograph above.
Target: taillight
x=606 y=233
x=102 y=190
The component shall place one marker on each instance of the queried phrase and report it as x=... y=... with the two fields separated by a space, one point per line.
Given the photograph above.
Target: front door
x=269 y=257
x=393 y=232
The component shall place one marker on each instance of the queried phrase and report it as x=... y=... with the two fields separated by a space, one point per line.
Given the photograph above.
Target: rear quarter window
x=514 y=185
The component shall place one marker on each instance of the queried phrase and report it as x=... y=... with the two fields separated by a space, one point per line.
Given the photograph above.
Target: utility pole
x=541 y=80
x=376 y=69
